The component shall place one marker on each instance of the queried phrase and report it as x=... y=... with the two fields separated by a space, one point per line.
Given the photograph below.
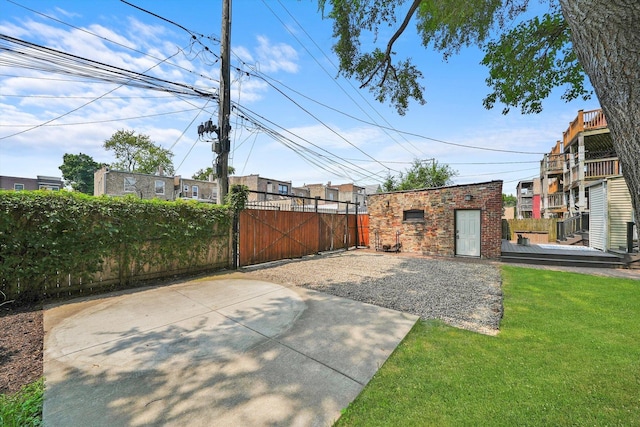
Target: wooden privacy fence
x=271 y=235
x=543 y=229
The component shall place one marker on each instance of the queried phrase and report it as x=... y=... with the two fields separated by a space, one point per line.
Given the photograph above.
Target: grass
x=23 y=408
x=568 y=354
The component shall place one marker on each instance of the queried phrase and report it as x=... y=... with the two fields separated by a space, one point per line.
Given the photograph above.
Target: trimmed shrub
x=49 y=239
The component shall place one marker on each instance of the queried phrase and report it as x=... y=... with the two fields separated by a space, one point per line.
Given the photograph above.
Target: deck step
x=565 y=262
x=572 y=256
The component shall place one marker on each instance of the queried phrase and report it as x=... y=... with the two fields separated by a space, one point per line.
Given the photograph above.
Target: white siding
x=620 y=212
x=598 y=216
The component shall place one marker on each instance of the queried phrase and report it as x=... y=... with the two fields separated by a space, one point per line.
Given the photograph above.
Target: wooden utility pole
x=222 y=168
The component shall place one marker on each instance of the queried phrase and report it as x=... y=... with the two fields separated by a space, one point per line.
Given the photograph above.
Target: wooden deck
x=576 y=256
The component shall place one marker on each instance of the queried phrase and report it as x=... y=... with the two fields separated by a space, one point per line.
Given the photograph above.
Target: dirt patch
x=21 y=345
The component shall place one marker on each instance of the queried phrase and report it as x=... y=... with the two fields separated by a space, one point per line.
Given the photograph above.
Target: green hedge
x=47 y=237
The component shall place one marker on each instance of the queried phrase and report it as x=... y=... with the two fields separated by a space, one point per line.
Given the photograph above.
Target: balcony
x=553 y=163
x=601 y=168
x=586 y=120
x=555 y=201
x=554 y=187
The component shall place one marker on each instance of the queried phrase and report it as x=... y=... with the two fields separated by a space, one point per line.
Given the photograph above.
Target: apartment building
x=528 y=199
x=40 y=183
x=584 y=155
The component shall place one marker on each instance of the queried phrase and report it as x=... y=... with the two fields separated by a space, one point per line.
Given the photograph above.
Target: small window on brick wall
x=416 y=215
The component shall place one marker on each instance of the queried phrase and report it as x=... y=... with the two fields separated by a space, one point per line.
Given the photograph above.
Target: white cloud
x=334 y=137
x=275 y=57
x=66 y=13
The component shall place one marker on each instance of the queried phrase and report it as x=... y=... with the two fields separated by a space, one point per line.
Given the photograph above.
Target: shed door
x=468 y=233
x=598 y=217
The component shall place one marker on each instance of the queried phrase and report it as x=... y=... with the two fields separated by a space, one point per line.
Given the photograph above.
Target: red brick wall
x=436 y=234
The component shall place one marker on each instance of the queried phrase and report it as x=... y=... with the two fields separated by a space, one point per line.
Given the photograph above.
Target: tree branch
x=387 y=54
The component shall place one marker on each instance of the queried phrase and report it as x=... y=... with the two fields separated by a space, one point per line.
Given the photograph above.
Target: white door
x=468 y=233
x=598 y=216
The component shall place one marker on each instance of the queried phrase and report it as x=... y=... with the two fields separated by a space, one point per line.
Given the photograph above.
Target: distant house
x=123 y=183
x=325 y=192
x=300 y=191
x=257 y=183
x=40 y=183
x=203 y=191
x=353 y=194
x=461 y=220
x=528 y=199
x=610 y=211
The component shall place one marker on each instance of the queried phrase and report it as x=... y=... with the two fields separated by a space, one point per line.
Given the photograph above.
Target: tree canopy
x=525 y=61
x=203 y=174
x=509 y=200
x=137 y=153
x=420 y=175
x=77 y=171
x=527 y=56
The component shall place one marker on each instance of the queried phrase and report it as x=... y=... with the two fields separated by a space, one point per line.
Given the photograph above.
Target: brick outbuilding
x=460 y=220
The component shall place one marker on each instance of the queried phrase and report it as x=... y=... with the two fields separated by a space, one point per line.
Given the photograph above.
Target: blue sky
x=344 y=135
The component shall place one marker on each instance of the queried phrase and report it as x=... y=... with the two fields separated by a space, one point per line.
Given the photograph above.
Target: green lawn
x=568 y=354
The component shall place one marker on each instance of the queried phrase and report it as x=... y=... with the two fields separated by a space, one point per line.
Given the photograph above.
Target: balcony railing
x=555 y=200
x=601 y=168
x=553 y=162
x=586 y=120
x=572 y=225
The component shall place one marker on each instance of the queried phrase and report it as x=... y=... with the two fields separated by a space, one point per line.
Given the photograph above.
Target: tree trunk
x=606 y=38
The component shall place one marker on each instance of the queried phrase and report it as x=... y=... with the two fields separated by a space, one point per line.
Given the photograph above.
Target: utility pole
x=222 y=165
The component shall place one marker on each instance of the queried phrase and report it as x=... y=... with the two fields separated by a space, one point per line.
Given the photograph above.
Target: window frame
x=283 y=189
x=130 y=184
x=194 y=191
x=163 y=185
x=48 y=187
x=413 y=215
x=16 y=184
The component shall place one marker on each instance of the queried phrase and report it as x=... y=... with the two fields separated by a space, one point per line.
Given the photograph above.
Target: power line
x=396 y=130
x=33 y=56
x=335 y=81
x=456 y=163
x=52 y=54
x=246 y=113
x=159 y=17
x=105 y=38
x=83 y=97
x=106 y=120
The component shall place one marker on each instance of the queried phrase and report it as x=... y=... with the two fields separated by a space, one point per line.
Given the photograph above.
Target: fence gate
x=271 y=235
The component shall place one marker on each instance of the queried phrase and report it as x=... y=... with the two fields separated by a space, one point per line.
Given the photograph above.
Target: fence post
x=235 y=238
x=357 y=227
x=560 y=230
x=346 y=235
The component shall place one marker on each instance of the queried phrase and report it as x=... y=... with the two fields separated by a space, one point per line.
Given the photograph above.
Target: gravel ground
x=462 y=293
